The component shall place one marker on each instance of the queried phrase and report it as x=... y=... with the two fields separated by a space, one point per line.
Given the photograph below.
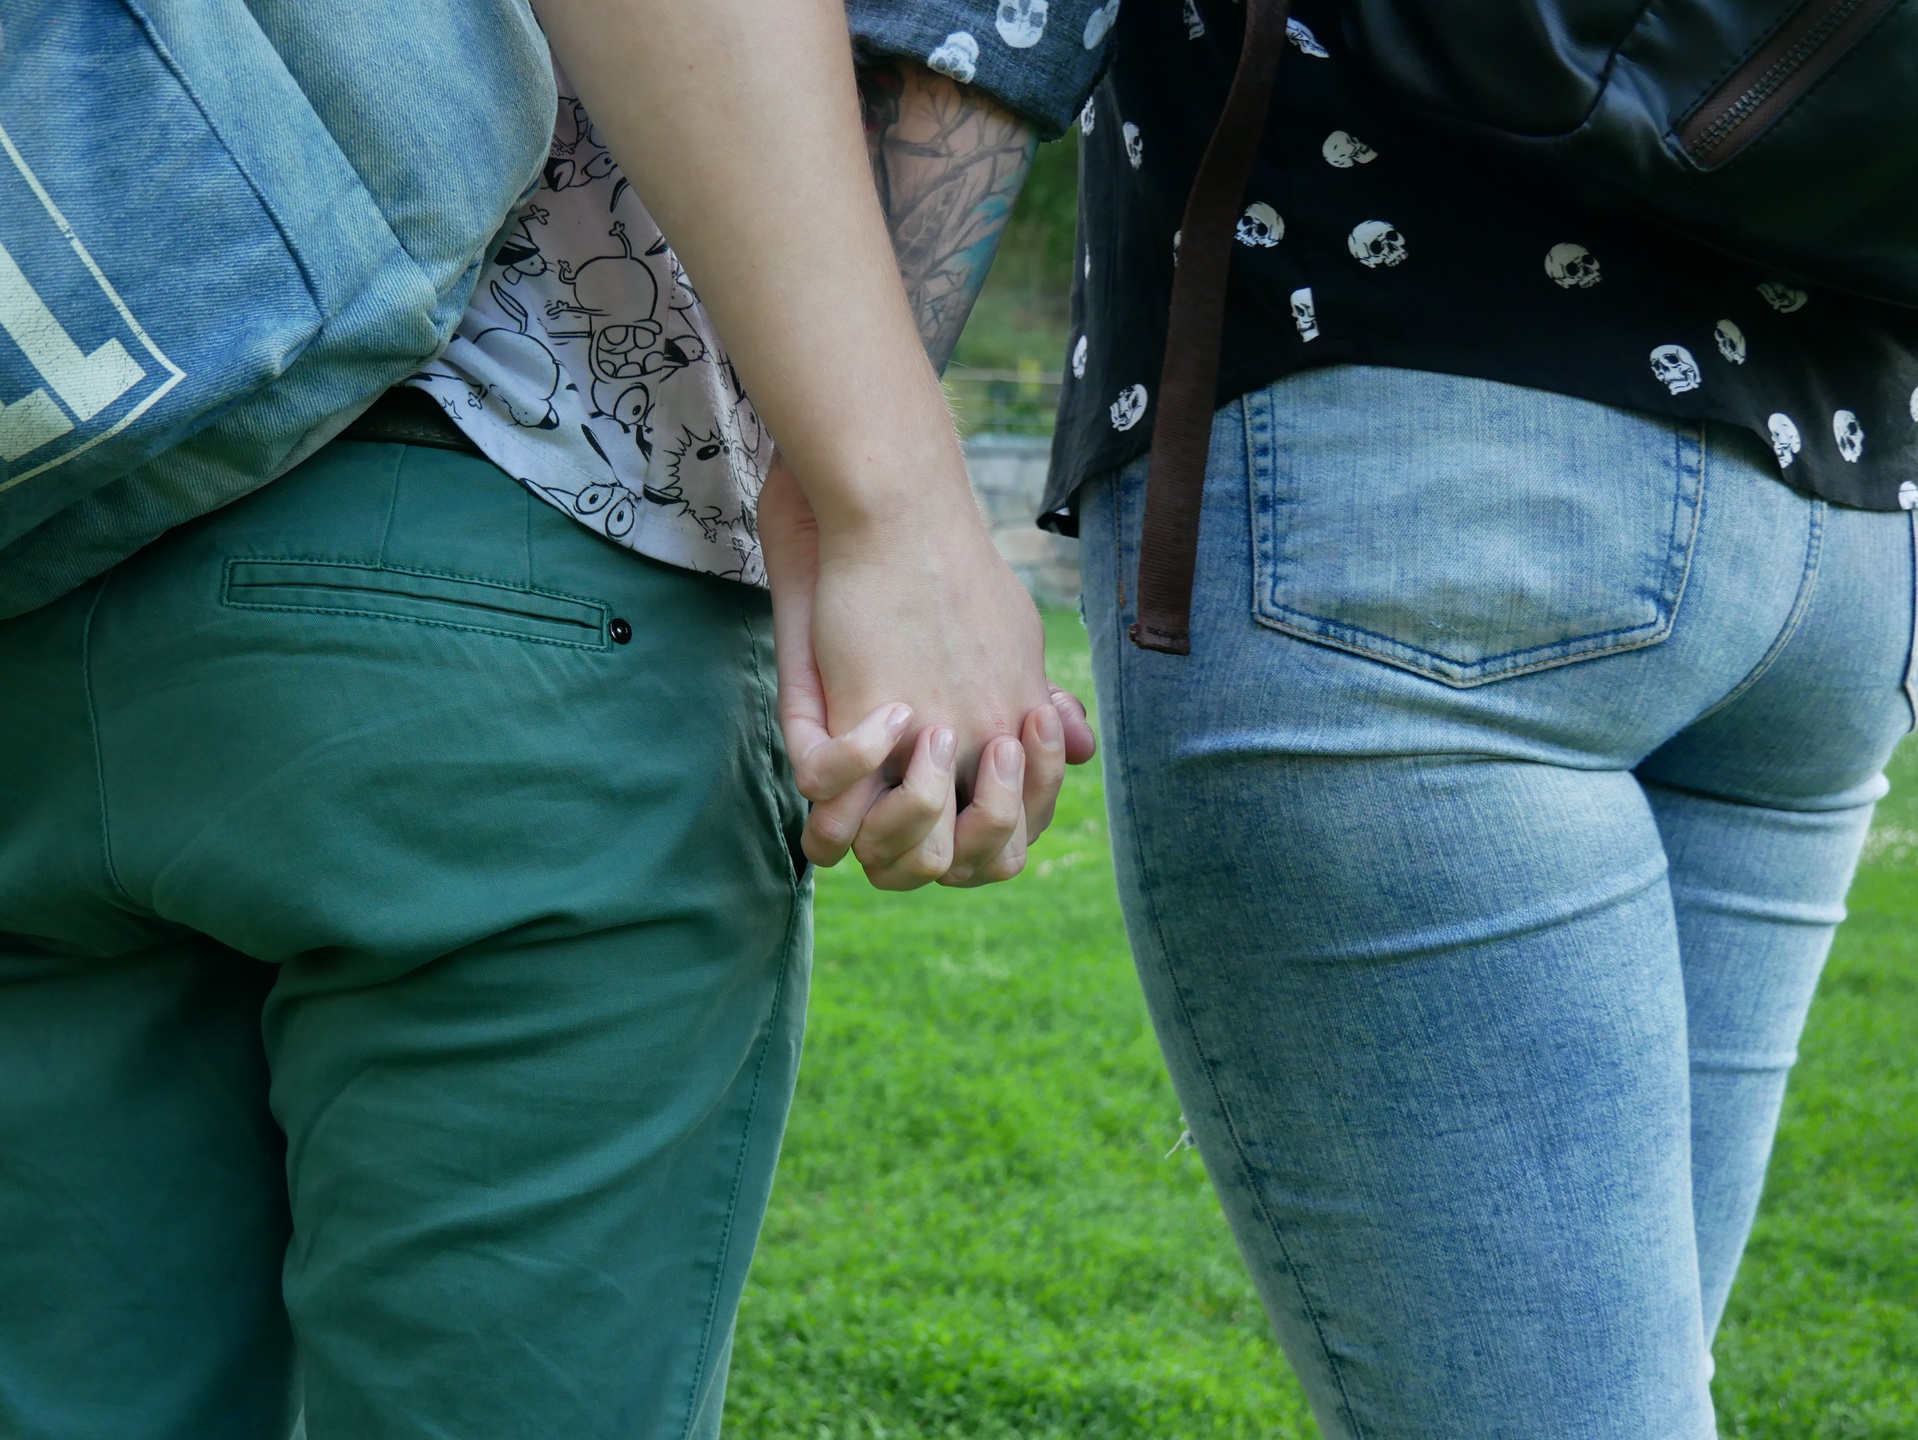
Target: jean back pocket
x=331 y=587
x=1463 y=529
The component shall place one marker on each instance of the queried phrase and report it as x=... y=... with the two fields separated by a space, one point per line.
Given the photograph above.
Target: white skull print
x=1134 y=145
x=1849 y=434
x=1572 y=267
x=1300 y=34
x=1914 y=406
x=1194 y=21
x=1100 y=21
x=1305 y=314
x=1021 y=22
x=1731 y=341
x=1343 y=151
x=1782 y=298
x=1908 y=495
x=1088 y=116
x=1260 y=226
x=1126 y=410
x=1785 y=441
x=1079 y=359
x=957 y=55
x=1376 y=242
x=1675 y=366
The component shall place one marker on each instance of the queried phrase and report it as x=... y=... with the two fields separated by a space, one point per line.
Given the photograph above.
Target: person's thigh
x=542 y=949
x=142 y=1203
x=1398 y=902
x=140 y=1199
x=1763 y=805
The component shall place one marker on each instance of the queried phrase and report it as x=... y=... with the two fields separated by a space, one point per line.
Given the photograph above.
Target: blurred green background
x=1004 y=373
x=983 y=1229
x=1021 y=317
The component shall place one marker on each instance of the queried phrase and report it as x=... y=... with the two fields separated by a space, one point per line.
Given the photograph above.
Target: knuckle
x=819 y=850
x=1002 y=810
x=835 y=830
x=923 y=867
x=1008 y=865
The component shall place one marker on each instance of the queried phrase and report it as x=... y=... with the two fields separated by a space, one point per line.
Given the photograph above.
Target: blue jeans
x=1480 y=862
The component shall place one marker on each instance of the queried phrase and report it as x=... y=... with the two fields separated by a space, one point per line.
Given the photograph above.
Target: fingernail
x=1009 y=761
x=945 y=746
x=897 y=719
x=1052 y=730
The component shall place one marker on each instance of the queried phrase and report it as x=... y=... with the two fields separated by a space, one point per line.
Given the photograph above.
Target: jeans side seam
x=1911 y=658
x=739 y=1172
x=99 y=756
x=1239 y=1153
x=1157 y=930
x=1685 y=553
x=1801 y=604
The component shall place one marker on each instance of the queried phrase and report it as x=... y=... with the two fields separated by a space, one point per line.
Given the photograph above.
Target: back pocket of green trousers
x=422 y=597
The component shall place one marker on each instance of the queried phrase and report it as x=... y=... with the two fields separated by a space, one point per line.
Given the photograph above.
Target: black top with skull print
x=1368 y=240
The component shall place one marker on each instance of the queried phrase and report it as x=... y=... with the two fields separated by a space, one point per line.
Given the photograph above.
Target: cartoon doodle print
x=615 y=506
x=687 y=462
x=614 y=309
x=606 y=506
x=531 y=370
x=564 y=372
x=576 y=157
x=518 y=256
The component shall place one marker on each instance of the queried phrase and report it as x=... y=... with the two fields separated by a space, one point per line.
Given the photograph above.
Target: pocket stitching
x=227 y=598
x=1470 y=681
x=1689 y=466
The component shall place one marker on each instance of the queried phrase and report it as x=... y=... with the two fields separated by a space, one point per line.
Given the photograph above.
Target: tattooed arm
x=948 y=162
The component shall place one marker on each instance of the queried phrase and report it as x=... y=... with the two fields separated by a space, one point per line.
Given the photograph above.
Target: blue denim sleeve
x=1040 y=58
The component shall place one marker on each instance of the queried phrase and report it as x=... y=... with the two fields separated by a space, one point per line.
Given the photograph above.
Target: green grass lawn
x=978 y=1231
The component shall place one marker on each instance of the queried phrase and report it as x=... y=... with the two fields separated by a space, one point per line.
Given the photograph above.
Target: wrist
x=889 y=492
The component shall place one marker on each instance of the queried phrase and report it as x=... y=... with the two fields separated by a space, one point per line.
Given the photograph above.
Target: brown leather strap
x=1188 y=385
x=406 y=415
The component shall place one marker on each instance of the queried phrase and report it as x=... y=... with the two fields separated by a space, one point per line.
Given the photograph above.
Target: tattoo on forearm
x=948 y=163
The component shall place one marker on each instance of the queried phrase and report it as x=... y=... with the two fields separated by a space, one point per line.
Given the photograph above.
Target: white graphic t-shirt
x=586 y=367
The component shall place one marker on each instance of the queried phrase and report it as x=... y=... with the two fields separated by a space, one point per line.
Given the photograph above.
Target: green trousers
x=402 y=969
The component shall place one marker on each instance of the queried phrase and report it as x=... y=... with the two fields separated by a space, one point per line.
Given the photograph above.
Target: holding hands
x=912 y=675
x=924 y=639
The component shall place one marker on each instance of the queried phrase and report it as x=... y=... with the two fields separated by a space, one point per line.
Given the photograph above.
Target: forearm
x=947 y=163
x=737 y=123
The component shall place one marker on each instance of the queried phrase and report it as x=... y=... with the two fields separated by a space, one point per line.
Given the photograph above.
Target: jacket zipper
x=1784 y=67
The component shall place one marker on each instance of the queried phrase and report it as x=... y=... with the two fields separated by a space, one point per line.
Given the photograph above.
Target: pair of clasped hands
x=913 y=692
x=921 y=631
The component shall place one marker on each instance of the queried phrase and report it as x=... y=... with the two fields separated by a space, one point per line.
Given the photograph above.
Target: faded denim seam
x=1911 y=664
x=1130 y=658
x=1801 y=605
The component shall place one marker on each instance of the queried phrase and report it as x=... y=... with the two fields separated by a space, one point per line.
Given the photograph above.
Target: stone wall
x=1009 y=479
